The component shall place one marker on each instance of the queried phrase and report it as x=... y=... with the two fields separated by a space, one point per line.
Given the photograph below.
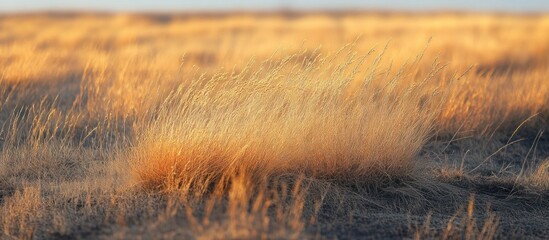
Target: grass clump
x=276 y=118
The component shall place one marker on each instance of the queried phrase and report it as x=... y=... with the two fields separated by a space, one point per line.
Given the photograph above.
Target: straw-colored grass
x=273 y=125
x=267 y=122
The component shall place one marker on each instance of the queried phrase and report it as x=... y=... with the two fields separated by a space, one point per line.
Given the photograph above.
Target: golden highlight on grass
x=274 y=118
x=253 y=125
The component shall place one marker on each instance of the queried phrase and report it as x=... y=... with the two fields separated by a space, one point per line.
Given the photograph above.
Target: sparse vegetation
x=274 y=126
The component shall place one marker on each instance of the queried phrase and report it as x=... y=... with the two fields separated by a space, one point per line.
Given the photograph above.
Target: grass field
x=274 y=125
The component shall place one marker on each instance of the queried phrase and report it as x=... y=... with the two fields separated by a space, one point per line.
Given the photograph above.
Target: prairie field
x=282 y=125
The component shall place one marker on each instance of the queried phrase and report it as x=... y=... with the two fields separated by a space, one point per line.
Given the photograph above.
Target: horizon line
x=269 y=11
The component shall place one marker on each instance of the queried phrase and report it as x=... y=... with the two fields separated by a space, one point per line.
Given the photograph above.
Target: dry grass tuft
x=266 y=122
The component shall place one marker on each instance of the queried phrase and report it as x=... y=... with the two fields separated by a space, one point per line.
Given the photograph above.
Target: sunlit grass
x=267 y=126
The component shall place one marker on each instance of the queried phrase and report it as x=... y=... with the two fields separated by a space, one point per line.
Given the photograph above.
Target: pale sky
x=227 y=5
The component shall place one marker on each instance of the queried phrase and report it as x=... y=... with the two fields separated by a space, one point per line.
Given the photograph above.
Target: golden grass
x=249 y=125
x=266 y=122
